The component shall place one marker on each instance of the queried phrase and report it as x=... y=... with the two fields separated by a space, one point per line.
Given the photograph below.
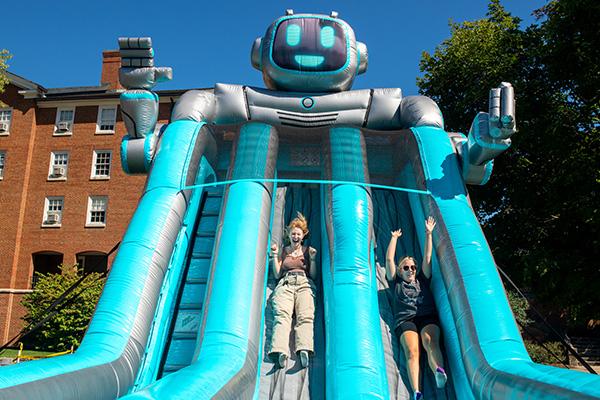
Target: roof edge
x=23 y=83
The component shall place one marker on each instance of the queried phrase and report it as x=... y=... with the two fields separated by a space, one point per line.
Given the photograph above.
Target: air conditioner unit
x=63 y=127
x=58 y=171
x=53 y=218
x=3 y=127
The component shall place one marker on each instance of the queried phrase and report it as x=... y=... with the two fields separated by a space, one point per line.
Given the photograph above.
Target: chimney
x=111 y=62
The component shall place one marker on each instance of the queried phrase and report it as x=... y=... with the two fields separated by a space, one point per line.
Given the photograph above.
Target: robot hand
x=138 y=75
x=137 y=64
x=489 y=136
x=502 y=122
x=490 y=132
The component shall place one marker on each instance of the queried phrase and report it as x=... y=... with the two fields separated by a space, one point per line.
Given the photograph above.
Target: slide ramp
x=187 y=315
x=392 y=211
x=294 y=382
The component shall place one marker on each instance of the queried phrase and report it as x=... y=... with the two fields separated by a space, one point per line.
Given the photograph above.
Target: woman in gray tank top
x=416 y=316
x=296 y=269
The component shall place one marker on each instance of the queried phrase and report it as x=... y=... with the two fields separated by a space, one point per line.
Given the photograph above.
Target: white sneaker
x=281 y=360
x=440 y=377
x=304 y=358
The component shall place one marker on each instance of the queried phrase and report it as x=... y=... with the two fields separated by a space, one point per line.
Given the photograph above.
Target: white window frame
x=58 y=112
x=88 y=218
x=2 y=164
x=9 y=121
x=100 y=131
x=95 y=160
x=47 y=201
x=53 y=155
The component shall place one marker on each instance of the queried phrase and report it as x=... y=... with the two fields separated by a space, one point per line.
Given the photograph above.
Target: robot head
x=309 y=53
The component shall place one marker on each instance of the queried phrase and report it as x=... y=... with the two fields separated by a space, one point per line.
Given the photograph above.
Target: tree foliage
x=68 y=326
x=4 y=57
x=541 y=205
x=551 y=352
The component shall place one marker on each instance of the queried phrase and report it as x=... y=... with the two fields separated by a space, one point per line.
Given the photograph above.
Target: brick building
x=63 y=194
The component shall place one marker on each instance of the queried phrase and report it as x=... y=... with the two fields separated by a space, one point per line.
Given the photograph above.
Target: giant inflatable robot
x=308 y=64
x=185 y=311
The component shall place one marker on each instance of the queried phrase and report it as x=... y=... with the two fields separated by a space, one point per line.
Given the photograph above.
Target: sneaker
x=440 y=377
x=418 y=396
x=303 y=358
x=281 y=360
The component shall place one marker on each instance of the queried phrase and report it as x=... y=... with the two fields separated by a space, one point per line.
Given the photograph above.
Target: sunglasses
x=411 y=267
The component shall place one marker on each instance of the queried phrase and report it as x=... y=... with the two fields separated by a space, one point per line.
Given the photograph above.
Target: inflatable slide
x=186 y=311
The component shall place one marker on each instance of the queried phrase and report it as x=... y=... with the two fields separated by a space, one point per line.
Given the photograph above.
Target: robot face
x=310 y=44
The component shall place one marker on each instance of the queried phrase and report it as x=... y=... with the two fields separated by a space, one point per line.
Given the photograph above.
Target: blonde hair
x=298 y=222
x=406 y=258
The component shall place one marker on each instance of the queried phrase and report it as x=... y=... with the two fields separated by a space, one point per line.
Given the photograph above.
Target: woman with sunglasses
x=416 y=315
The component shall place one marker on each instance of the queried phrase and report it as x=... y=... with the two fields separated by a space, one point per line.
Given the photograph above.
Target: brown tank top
x=291 y=263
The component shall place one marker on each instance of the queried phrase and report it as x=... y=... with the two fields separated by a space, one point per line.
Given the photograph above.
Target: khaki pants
x=294 y=293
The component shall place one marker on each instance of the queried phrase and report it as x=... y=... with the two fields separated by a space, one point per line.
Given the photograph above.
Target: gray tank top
x=413 y=299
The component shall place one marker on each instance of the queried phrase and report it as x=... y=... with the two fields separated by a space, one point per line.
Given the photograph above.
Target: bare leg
x=410 y=345
x=430 y=337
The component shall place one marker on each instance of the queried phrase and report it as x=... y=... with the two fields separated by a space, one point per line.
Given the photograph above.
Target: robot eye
x=292 y=35
x=327 y=37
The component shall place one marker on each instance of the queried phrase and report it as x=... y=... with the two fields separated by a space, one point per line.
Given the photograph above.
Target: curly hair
x=299 y=222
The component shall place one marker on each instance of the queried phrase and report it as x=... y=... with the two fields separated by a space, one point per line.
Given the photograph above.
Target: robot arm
x=490 y=132
x=139 y=105
x=418 y=111
x=489 y=135
x=138 y=75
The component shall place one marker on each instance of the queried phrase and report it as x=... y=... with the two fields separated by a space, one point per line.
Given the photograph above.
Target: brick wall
x=111 y=62
x=25 y=187
x=13 y=193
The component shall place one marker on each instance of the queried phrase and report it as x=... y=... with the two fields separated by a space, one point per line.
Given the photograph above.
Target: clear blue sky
x=59 y=43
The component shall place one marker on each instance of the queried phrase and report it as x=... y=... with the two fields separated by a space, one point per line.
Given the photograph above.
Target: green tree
x=551 y=352
x=4 y=57
x=68 y=325
x=540 y=208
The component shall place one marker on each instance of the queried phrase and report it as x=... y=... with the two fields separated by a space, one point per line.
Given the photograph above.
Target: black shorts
x=416 y=324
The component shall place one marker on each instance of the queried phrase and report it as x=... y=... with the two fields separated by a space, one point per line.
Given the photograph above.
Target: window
x=101 y=164
x=92 y=261
x=107 y=116
x=53 y=211
x=59 y=161
x=96 y=215
x=64 y=121
x=45 y=262
x=2 y=158
x=5 y=119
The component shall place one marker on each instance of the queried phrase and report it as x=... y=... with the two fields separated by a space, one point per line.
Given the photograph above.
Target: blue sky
x=59 y=43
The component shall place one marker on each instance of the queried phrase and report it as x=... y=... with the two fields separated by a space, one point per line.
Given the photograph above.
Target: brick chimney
x=111 y=62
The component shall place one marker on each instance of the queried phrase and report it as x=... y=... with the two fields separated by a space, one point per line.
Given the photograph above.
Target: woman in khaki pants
x=296 y=269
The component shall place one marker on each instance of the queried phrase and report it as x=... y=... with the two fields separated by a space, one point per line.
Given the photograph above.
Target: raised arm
x=139 y=104
x=390 y=264
x=138 y=75
x=312 y=253
x=275 y=261
x=489 y=136
x=426 y=267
